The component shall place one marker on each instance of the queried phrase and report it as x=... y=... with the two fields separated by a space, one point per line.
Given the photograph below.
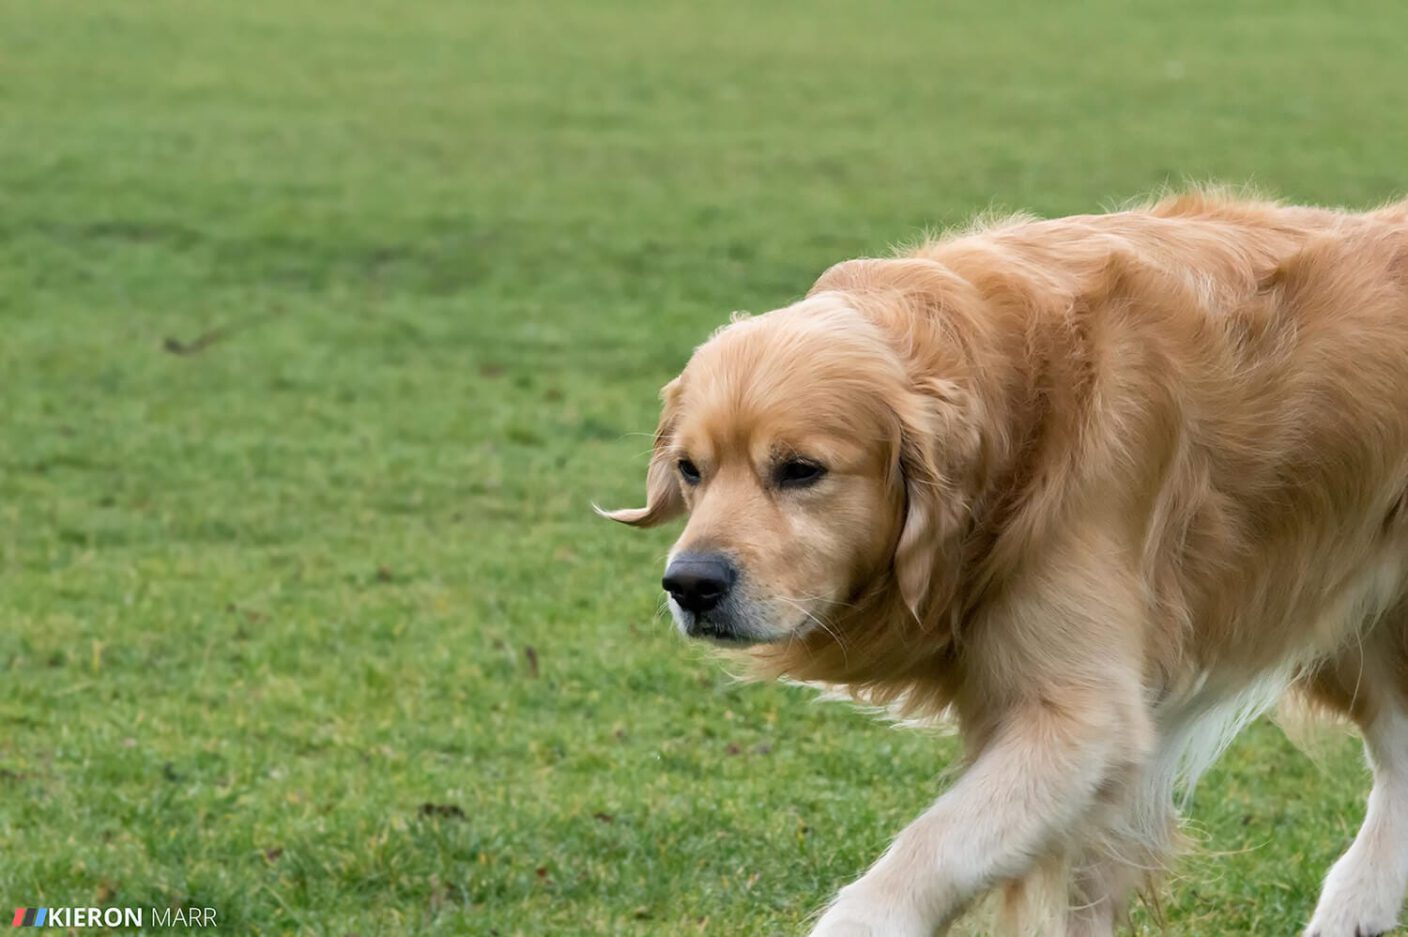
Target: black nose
x=698 y=581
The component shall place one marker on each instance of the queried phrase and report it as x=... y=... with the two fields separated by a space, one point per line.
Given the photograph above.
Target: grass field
x=321 y=325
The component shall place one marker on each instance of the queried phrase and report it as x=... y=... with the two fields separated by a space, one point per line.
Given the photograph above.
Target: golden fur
x=1093 y=484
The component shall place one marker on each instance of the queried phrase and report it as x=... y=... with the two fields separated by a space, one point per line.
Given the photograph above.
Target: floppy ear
x=663 y=501
x=937 y=448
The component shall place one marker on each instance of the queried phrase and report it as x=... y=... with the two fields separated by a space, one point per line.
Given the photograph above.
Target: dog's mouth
x=721 y=636
x=705 y=628
x=720 y=630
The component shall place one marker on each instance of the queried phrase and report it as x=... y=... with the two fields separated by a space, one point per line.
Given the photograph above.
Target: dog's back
x=1240 y=370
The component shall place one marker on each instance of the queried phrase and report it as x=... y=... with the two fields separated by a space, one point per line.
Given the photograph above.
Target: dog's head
x=818 y=470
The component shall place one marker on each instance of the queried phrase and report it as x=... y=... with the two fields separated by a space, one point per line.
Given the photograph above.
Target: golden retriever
x=1098 y=489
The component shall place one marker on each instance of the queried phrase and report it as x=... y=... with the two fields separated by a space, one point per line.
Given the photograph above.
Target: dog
x=1099 y=490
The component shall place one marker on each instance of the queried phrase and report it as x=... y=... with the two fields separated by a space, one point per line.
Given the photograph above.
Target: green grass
x=261 y=603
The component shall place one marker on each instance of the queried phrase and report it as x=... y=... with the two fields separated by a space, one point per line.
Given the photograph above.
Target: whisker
x=822 y=625
x=809 y=598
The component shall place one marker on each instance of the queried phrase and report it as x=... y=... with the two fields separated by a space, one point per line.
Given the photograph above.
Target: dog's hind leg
x=1098 y=900
x=1130 y=852
x=1086 y=897
x=1057 y=900
x=1101 y=890
x=1364 y=891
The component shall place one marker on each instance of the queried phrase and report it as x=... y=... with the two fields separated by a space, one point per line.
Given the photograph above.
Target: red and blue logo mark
x=30 y=917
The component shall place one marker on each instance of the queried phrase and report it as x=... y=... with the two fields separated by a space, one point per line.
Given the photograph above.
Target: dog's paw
x=843 y=929
x=852 y=927
x=1354 y=914
x=1362 y=898
x=853 y=917
x=1350 y=924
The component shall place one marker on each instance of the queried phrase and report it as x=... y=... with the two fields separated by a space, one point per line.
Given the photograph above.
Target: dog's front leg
x=1031 y=786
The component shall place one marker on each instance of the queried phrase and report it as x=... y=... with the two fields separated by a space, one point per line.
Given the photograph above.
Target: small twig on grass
x=445 y=811
x=210 y=336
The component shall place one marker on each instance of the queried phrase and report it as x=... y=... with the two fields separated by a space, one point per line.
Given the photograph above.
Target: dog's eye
x=689 y=471
x=798 y=473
